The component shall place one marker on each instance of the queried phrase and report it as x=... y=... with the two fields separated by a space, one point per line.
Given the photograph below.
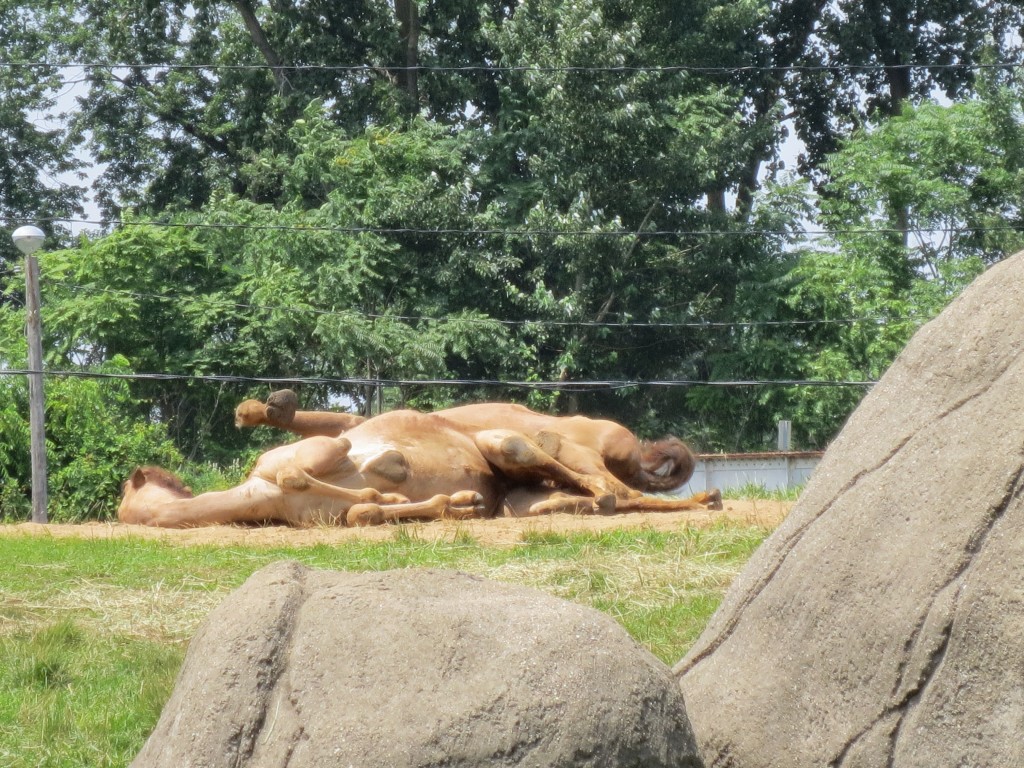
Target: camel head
x=250 y=413
x=156 y=476
x=149 y=486
x=667 y=464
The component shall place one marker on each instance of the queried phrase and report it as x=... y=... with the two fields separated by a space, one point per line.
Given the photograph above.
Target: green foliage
x=38 y=161
x=916 y=39
x=374 y=223
x=937 y=184
x=93 y=444
x=917 y=207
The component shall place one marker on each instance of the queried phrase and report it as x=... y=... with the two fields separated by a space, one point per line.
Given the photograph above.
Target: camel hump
x=665 y=464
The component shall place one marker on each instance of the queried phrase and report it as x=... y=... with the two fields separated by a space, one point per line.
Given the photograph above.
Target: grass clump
x=76 y=697
x=758 y=491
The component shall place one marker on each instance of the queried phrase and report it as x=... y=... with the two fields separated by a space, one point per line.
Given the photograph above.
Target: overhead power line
x=562 y=386
x=526 y=232
x=497 y=68
x=691 y=325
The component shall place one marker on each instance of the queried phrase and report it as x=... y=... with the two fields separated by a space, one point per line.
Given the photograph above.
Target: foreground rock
x=881 y=624
x=414 y=668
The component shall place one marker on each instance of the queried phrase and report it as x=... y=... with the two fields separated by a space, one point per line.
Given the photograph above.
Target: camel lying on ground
x=400 y=465
x=588 y=446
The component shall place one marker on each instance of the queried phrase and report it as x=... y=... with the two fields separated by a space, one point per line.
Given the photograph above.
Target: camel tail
x=665 y=464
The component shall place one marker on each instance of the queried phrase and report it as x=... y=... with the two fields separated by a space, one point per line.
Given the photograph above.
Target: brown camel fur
x=281 y=411
x=588 y=446
x=399 y=465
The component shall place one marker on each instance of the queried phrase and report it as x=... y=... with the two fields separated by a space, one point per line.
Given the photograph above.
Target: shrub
x=96 y=435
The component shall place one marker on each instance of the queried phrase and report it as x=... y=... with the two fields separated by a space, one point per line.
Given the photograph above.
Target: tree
x=586 y=164
x=842 y=309
x=855 y=60
x=335 y=281
x=932 y=189
x=37 y=161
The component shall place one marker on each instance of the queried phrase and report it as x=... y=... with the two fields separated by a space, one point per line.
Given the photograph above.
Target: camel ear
x=138 y=478
x=281 y=406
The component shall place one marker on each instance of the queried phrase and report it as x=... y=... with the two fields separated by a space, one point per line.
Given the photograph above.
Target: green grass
x=759 y=491
x=92 y=633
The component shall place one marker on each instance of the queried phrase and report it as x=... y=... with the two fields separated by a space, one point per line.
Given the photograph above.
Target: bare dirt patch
x=497 y=532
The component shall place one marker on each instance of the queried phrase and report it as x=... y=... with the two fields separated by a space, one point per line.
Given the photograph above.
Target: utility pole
x=28 y=240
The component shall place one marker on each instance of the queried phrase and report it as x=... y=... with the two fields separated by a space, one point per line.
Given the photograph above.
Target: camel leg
x=582 y=459
x=458 y=506
x=529 y=502
x=294 y=479
x=532 y=502
x=704 y=500
x=316 y=457
x=523 y=460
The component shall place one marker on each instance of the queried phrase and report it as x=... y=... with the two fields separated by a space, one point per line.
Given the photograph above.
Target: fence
x=774 y=471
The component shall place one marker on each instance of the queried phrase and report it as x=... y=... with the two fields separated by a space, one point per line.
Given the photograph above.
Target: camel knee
x=506 y=448
x=516 y=449
x=292 y=478
x=320 y=456
x=390 y=465
x=549 y=442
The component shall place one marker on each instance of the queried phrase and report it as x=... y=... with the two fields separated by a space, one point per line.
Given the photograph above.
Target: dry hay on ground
x=498 y=532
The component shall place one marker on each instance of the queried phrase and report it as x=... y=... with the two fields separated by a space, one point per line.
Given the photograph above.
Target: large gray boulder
x=305 y=668
x=883 y=623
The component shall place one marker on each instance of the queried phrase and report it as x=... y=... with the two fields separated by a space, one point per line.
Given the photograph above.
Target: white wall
x=773 y=471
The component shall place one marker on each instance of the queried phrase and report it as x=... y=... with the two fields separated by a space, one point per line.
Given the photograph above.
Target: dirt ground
x=497 y=532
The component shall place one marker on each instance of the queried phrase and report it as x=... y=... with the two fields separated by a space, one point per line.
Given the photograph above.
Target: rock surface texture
x=414 y=668
x=883 y=623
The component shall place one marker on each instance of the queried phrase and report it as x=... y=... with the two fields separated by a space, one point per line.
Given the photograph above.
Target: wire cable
x=656 y=233
x=691 y=325
x=563 y=386
x=473 y=68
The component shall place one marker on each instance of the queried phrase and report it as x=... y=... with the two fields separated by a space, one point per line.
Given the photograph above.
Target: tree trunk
x=408 y=15
x=259 y=39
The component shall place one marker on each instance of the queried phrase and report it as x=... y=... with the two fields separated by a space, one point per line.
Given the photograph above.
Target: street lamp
x=28 y=240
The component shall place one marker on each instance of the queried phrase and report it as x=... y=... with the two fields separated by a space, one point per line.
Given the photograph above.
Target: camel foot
x=364 y=514
x=465 y=504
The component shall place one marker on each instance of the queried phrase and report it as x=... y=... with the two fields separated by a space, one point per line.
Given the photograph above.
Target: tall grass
x=92 y=633
x=759 y=491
